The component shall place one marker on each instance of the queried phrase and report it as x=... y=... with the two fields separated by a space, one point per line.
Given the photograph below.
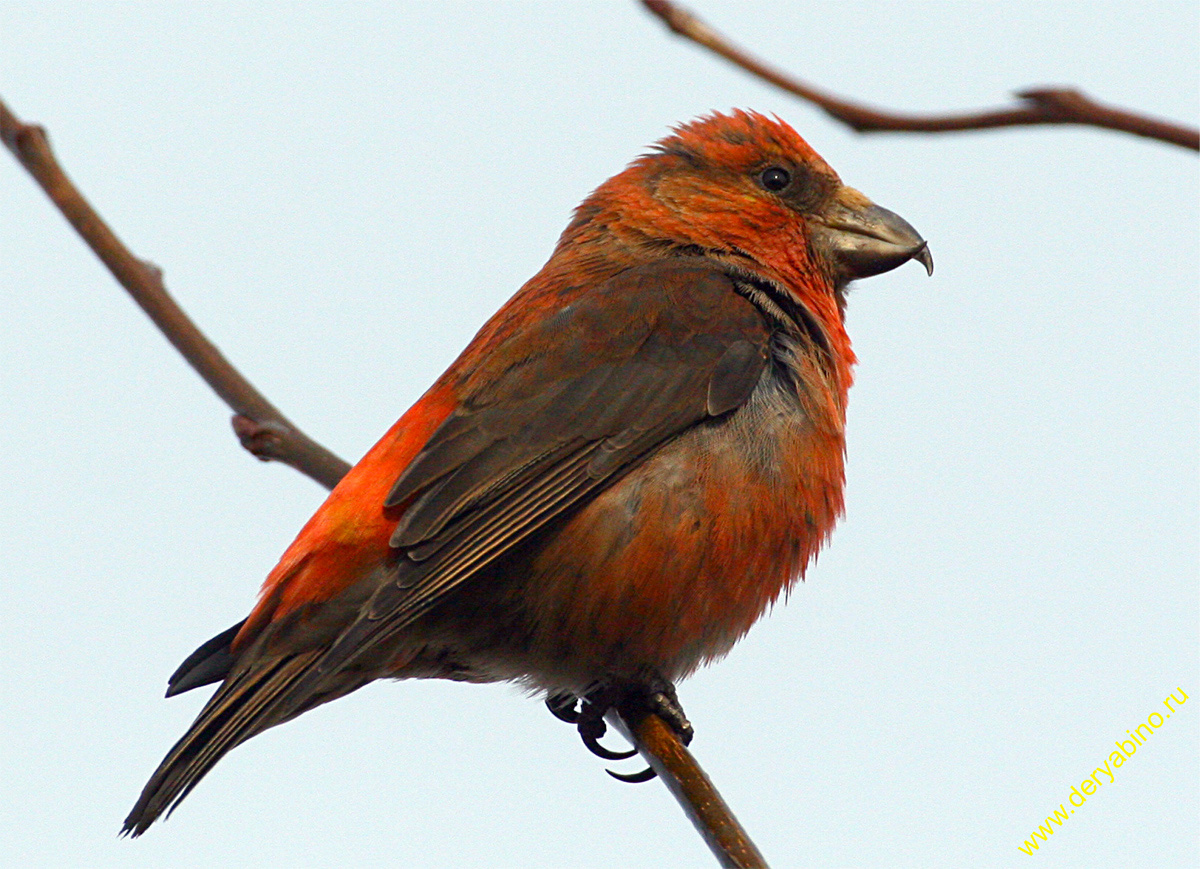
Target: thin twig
x=266 y=433
x=262 y=429
x=1039 y=106
x=689 y=784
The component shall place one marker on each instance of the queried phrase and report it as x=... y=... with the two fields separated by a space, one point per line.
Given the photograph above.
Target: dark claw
x=562 y=707
x=656 y=696
x=634 y=778
x=591 y=738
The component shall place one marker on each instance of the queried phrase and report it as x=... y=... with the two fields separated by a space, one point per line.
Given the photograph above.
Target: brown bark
x=1044 y=105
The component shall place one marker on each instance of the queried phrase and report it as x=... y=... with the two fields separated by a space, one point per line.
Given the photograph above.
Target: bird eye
x=774 y=178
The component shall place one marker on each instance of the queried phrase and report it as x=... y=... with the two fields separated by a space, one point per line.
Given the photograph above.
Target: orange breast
x=669 y=567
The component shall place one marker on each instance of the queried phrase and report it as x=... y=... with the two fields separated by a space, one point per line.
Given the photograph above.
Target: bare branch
x=690 y=786
x=266 y=433
x=1039 y=106
x=263 y=430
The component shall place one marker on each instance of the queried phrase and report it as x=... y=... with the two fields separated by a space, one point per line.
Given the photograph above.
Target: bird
x=624 y=469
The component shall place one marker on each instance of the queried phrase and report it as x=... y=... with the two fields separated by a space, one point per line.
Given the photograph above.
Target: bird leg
x=661 y=700
x=655 y=696
x=588 y=717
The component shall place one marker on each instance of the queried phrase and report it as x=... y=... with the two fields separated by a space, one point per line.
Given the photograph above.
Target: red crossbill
x=620 y=473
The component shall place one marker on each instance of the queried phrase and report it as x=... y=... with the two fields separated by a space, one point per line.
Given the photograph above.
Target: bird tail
x=246 y=704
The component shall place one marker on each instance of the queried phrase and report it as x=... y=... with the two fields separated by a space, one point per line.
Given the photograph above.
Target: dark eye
x=774 y=178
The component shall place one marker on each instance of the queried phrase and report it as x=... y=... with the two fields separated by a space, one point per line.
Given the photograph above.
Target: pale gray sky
x=340 y=194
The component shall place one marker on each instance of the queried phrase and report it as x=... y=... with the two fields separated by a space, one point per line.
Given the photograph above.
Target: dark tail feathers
x=209 y=663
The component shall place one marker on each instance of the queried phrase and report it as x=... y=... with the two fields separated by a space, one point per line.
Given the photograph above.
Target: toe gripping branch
x=588 y=717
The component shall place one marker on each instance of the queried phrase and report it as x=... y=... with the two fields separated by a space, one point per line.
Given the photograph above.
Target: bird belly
x=669 y=567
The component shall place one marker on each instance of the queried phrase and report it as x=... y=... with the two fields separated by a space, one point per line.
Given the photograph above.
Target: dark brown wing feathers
x=562 y=409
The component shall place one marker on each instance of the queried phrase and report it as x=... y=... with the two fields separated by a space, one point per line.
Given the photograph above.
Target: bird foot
x=657 y=697
x=664 y=702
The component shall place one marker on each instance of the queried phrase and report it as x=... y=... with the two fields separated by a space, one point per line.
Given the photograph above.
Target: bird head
x=749 y=189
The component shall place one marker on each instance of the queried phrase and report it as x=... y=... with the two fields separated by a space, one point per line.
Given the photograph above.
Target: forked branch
x=1037 y=106
x=262 y=429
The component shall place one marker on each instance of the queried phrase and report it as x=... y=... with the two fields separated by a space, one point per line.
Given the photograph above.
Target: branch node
x=154 y=272
x=261 y=439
